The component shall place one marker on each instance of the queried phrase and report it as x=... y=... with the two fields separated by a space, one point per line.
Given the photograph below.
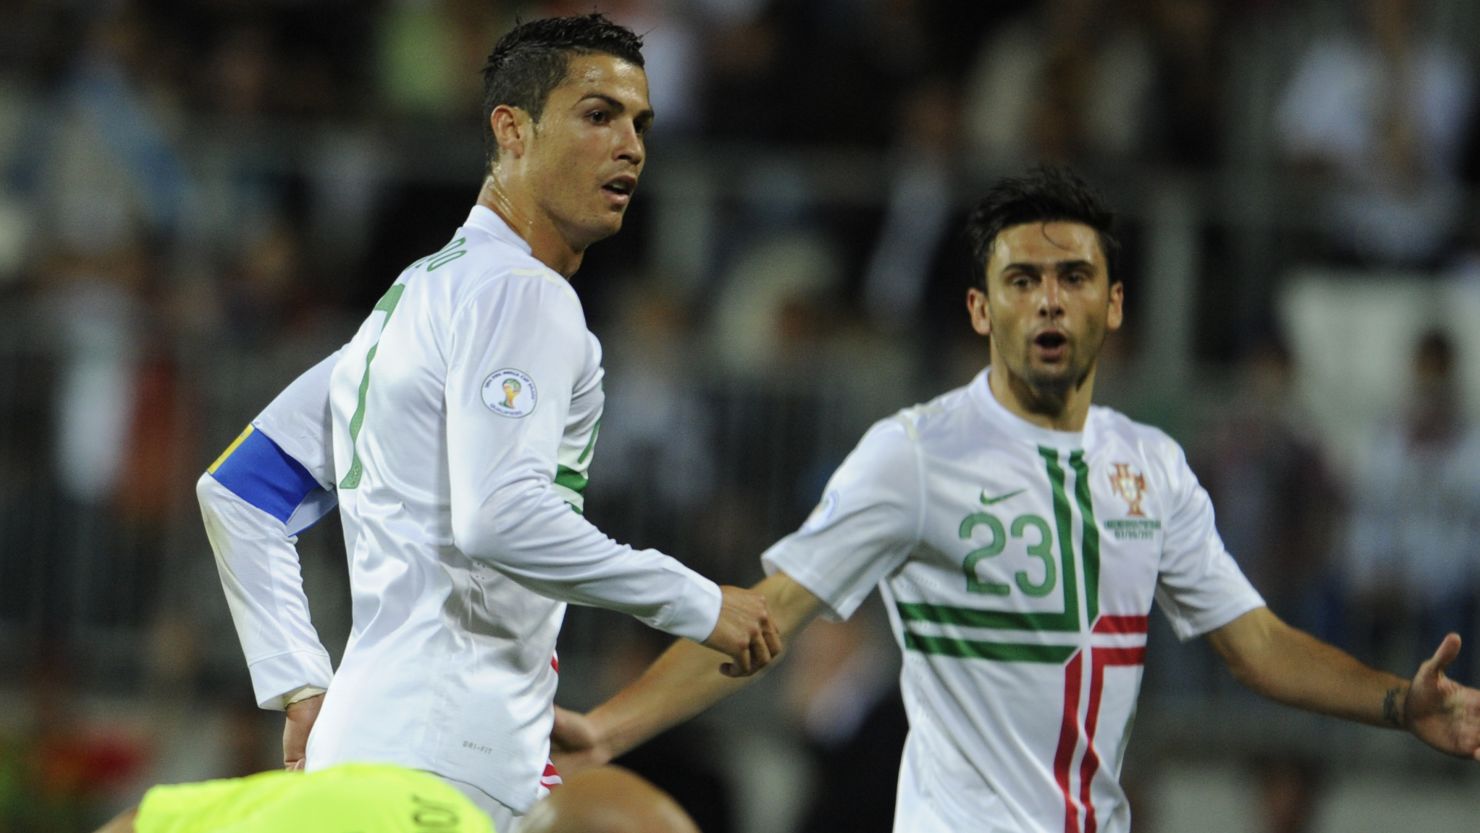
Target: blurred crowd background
x=198 y=198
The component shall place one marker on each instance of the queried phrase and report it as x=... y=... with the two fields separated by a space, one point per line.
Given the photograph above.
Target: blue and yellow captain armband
x=259 y=472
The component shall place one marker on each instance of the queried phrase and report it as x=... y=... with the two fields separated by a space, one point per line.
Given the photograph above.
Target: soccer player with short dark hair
x=456 y=431
x=1019 y=535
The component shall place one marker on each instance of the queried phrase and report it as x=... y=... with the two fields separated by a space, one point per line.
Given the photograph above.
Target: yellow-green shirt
x=350 y=798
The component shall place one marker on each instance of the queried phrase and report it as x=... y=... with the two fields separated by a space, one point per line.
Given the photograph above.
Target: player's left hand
x=1440 y=711
x=300 y=719
x=575 y=744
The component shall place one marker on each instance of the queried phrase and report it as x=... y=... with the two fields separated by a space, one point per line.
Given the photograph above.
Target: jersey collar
x=486 y=220
x=1016 y=426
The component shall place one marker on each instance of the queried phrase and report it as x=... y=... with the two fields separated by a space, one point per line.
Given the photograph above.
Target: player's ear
x=1116 y=315
x=512 y=127
x=979 y=309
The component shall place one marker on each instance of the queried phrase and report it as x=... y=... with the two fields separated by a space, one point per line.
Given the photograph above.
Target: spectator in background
x=120 y=442
x=1068 y=80
x=920 y=209
x=1277 y=507
x=1276 y=500
x=59 y=768
x=658 y=446
x=1380 y=116
x=1189 y=51
x=1416 y=518
x=424 y=49
x=107 y=160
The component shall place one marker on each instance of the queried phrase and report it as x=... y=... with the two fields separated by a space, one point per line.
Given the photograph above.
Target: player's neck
x=546 y=243
x=1055 y=410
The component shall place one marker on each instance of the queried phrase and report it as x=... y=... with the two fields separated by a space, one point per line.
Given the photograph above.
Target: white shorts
x=505 y=820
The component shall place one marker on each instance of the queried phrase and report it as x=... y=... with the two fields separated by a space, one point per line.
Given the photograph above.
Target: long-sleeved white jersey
x=464 y=414
x=1019 y=566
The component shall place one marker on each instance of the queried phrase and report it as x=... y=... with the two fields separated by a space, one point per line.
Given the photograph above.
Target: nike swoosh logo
x=988 y=501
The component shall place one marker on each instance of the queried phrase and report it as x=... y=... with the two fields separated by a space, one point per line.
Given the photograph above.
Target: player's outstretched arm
x=1295 y=668
x=681 y=683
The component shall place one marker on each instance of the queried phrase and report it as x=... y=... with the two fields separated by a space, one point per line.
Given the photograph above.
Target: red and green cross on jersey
x=1104 y=639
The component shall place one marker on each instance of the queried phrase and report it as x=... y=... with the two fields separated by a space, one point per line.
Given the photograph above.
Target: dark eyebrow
x=644 y=116
x=1058 y=265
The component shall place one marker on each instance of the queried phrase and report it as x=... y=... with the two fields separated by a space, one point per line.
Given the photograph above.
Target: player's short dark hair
x=534 y=57
x=1045 y=194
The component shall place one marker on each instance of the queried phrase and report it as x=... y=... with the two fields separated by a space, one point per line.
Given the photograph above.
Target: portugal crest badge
x=1130 y=485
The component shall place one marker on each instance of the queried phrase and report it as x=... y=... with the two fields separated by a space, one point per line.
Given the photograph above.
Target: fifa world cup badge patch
x=510 y=392
x=822 y=513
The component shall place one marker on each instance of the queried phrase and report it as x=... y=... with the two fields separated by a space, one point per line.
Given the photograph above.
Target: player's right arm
x=503 y=463
x=271 y=483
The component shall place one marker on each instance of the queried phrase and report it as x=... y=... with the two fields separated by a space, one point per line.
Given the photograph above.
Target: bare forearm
x=1293 y=667
x=686 y=679
x=683 y=682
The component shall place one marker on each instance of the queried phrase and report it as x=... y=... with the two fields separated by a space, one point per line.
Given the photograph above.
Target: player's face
x=587 y=150
x=1048 y=306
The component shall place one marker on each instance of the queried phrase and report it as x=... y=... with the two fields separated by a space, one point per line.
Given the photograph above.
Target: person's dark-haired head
x=1045 y=194
x=534 y=57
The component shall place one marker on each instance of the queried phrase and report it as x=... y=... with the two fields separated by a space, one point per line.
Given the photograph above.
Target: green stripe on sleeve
x=571 y=479
x=591 y=443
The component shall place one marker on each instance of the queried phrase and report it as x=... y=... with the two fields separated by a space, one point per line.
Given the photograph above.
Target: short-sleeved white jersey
x=1019 y=566
x=464 y=414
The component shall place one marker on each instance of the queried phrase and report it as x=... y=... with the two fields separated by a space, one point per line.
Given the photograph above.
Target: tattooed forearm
x=1392 y=706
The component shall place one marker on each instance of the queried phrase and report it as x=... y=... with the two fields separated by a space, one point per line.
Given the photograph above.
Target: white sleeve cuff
x=276 y=678
x=302 y=693
x=694 y=613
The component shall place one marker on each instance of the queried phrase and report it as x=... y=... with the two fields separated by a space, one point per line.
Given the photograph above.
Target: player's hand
x=575 y=743
x=301 y=716
x=745 y=631
x=1440 y=711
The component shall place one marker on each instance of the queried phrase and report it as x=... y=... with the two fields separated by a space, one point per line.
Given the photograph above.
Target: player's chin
x=1051 y=374
x=601 y=227
x=611 y=219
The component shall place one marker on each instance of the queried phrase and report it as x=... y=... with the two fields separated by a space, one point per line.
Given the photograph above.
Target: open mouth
x=1052 y=345
x=621 y=187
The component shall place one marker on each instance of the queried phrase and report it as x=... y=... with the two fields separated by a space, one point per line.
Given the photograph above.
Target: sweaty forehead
x=607 y=75
x=1044 y=243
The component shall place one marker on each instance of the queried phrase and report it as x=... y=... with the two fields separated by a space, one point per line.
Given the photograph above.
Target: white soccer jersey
x=464 y=414
x=1019 y=566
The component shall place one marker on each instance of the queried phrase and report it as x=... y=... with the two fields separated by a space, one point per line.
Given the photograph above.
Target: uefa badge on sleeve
x=823 y=512
x=510 y=393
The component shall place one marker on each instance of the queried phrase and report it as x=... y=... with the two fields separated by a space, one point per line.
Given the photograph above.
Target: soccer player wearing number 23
x=1019 y=536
